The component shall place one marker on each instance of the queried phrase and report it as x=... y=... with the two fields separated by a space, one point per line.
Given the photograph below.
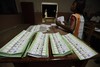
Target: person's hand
x=58 y=22
x=65 y=22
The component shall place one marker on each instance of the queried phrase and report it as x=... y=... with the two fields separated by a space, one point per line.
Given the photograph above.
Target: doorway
x=49 y=11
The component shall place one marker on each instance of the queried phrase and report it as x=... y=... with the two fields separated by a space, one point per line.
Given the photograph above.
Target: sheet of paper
x=53 y=24
x=29 y=28
x=97 y=29
x=61 y=19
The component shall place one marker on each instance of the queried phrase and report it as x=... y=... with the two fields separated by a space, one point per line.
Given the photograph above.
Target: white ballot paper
x=39 y=28
x=58 y=45
x=16 y=47
x=80 y=48
x=39 y=46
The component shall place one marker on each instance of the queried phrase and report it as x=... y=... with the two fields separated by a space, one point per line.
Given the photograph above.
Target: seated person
x=76 y=20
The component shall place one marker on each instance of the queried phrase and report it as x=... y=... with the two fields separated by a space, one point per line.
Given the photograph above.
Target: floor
x=91 y=63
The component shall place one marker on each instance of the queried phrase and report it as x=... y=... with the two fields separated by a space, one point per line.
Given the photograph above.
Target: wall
x=92 y=6
x=64 y=5
x=8 y=21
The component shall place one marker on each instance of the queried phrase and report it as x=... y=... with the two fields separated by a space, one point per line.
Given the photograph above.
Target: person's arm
x=66 y=27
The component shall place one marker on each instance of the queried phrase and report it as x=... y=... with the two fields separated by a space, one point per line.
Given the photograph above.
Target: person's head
x=78 y=6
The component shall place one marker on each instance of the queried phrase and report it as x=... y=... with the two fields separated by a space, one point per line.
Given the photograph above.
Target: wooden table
x=65 y=61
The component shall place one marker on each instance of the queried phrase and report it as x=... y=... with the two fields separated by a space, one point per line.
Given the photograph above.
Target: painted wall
x=92 y=6
x=63 y=5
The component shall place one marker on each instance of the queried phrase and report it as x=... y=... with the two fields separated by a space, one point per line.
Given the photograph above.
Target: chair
x=88 y=31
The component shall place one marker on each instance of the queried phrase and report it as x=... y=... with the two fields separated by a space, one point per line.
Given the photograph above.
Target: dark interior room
x=20 y=16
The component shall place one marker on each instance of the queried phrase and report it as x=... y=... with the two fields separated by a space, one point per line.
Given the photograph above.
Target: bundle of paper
x=38 y=28
x=17 y=46
x=58 y=45
x=39 y=47
x=44 y=28
x=34 y=28
x=79 y=47
x=30 y=28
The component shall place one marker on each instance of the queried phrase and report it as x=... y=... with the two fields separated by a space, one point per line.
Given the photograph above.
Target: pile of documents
x=39 y=28
x=17 y=46
x=61 y=45
x=80 y=48
x=39 y=47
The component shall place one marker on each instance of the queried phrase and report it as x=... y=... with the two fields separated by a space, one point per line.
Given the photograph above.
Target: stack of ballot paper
x=44 y=28
x=39 y=28
x=58 y=45
x=80 y=48
x=39 y=47
x=16 y=47
x=61 y=45
x=29 y=28
x=34 y=28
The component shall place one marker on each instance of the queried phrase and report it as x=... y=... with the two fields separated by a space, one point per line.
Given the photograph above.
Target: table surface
x=8 y=34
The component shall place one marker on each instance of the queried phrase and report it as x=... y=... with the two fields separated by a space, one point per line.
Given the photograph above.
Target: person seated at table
x=76 y=20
